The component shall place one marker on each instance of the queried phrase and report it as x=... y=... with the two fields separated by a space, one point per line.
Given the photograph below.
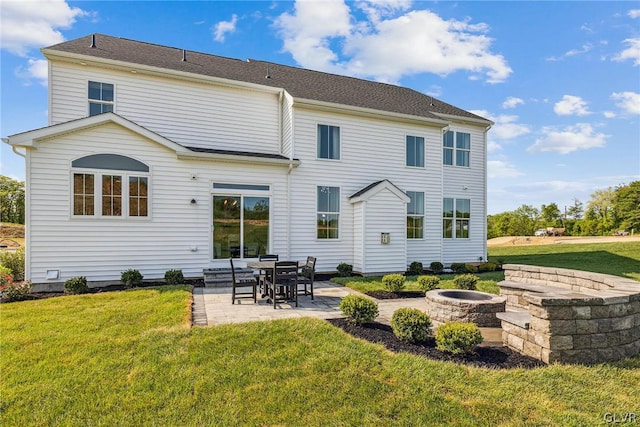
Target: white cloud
x=571 y=106
x=627 y=101
x=609 y=114
x=505 y=126
x=34 y=24
x=222 y=28
x=434 y=90
x=36 y=69
x=389 y=44
x=634 y=13
x=573 y=52
x=512 y=102
x=579 y=137
x=502 y=169
x=632 y=52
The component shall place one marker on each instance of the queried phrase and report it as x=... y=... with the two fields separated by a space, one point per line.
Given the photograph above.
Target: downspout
x=291 y=119
x=486 y=131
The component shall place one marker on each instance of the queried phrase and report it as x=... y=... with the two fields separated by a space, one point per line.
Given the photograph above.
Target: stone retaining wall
x=570 y=316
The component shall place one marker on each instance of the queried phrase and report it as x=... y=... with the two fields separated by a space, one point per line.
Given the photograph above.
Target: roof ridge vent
x=93 y=41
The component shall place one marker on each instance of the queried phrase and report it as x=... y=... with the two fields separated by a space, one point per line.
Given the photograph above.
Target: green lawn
x=130 y=358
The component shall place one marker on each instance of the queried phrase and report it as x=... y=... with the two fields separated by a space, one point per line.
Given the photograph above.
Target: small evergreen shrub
x=358 y=309
x=488 y=266
x=410 y=324
x=458 y=337
x=14 y=261
x=415 y=268
x=76 y=285
x=393 y=282
x=131 y=278
x=17 y=291
x=6 y=278
x=344 y=269
x=428 y=283
x=436 y=267
x=466 y=281
x=471 y=268
x=459 y=267
x=173 y=277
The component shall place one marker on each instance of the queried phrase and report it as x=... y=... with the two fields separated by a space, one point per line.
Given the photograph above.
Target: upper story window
x=415 y=151
x=328 y=142
x=456 y=145
x=415 y=215
x=328 y=212
x=100 y=98
x=110 y=185
x=455 y=222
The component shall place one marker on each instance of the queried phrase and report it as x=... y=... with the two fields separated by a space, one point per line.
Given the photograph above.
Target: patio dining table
x=268 y=267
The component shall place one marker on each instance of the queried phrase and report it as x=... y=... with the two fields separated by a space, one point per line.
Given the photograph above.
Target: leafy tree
x=12 y=197
x=600 y=214
x=627 y=206
x=550 y=215
x=576 y=211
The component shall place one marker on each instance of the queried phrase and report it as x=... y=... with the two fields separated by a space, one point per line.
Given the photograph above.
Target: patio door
x=240 y=226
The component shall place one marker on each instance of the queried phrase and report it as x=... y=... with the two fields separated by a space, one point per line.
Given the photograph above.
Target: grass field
x=131 y=358
x=487 y=283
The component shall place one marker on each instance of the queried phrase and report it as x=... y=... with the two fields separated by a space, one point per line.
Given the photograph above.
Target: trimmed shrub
x=393 y=282
x=410 y=324
x=488 y=266
x=466 y=281
x=471 y=268
x=14 y=261
x=459 y=267
x=344 y=269
x=76 y=285
x=6 y=278
x=428 y=283
x=436 y=267
x=17 y=291
x=415 y=268
x=458 y=337
x=173 y=277
x=358 y=309
x=131 y=278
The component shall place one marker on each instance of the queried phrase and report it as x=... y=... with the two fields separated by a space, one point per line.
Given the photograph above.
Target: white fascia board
x=31 y=138
x=452 y=118
x=384 y=185
x=85 y=60
x=368 y=112
x=237 y=158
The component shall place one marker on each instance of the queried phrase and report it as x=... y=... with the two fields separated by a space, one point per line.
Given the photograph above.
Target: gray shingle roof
x=299 y=82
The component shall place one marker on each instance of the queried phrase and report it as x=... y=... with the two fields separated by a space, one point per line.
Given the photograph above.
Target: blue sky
x=560 y=79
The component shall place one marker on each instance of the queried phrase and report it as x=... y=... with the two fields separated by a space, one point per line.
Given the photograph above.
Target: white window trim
x=339 y=159
x=454 y=220
x=97 y=194
x=454 y=150
x=339 y=213
x=424 y=150
x=98 y=101
x=418 y=216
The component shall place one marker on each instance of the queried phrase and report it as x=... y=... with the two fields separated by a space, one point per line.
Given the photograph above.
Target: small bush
x=436 y=267
x=344 y=269
x=428 y=283
x=76 y=285
x=393 y=282
x=131 y=278
x=410 y=324
x=415 y=268
x=458 y=337
x=471 y=268
x=14 y=261
x=358 y=309
x=17 y=291
x=459 y=267
x=466 y=281
x=173 y=277
x=487 y=266
x=6 y=278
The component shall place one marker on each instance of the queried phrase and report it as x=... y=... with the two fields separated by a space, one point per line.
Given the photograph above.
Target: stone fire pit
x=450 y=305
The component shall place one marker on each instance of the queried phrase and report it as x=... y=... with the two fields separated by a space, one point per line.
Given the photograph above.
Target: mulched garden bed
x=485 y=357
x=394 y=295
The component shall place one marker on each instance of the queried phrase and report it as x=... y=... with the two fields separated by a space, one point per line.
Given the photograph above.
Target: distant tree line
x=606 y=212
x=12 y=196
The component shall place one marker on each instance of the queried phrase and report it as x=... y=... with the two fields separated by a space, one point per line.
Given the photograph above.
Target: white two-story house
x=158 y=158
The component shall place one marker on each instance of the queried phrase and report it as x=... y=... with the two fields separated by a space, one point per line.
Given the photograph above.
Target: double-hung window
x=328 y=212
x=456 y=214
x=456 y=145
x=415 y=151
x=328 y=142
x=110 y=185
x=100 y=98
x=415 y=215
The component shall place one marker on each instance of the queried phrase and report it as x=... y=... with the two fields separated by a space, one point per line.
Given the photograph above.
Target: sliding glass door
x=240 y=226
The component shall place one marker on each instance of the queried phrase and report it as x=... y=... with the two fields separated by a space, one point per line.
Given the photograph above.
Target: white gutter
x=450 y=118
x=237 y=158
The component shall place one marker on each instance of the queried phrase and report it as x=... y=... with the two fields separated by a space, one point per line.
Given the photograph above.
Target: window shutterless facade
x=456 y=145
x=328 y=212
x=415 y=215
x=100 y=98
x=415 y=151
x=455 y=222
x=328 y=142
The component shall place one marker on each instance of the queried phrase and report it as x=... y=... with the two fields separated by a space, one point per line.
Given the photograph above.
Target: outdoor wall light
x=193 y=202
